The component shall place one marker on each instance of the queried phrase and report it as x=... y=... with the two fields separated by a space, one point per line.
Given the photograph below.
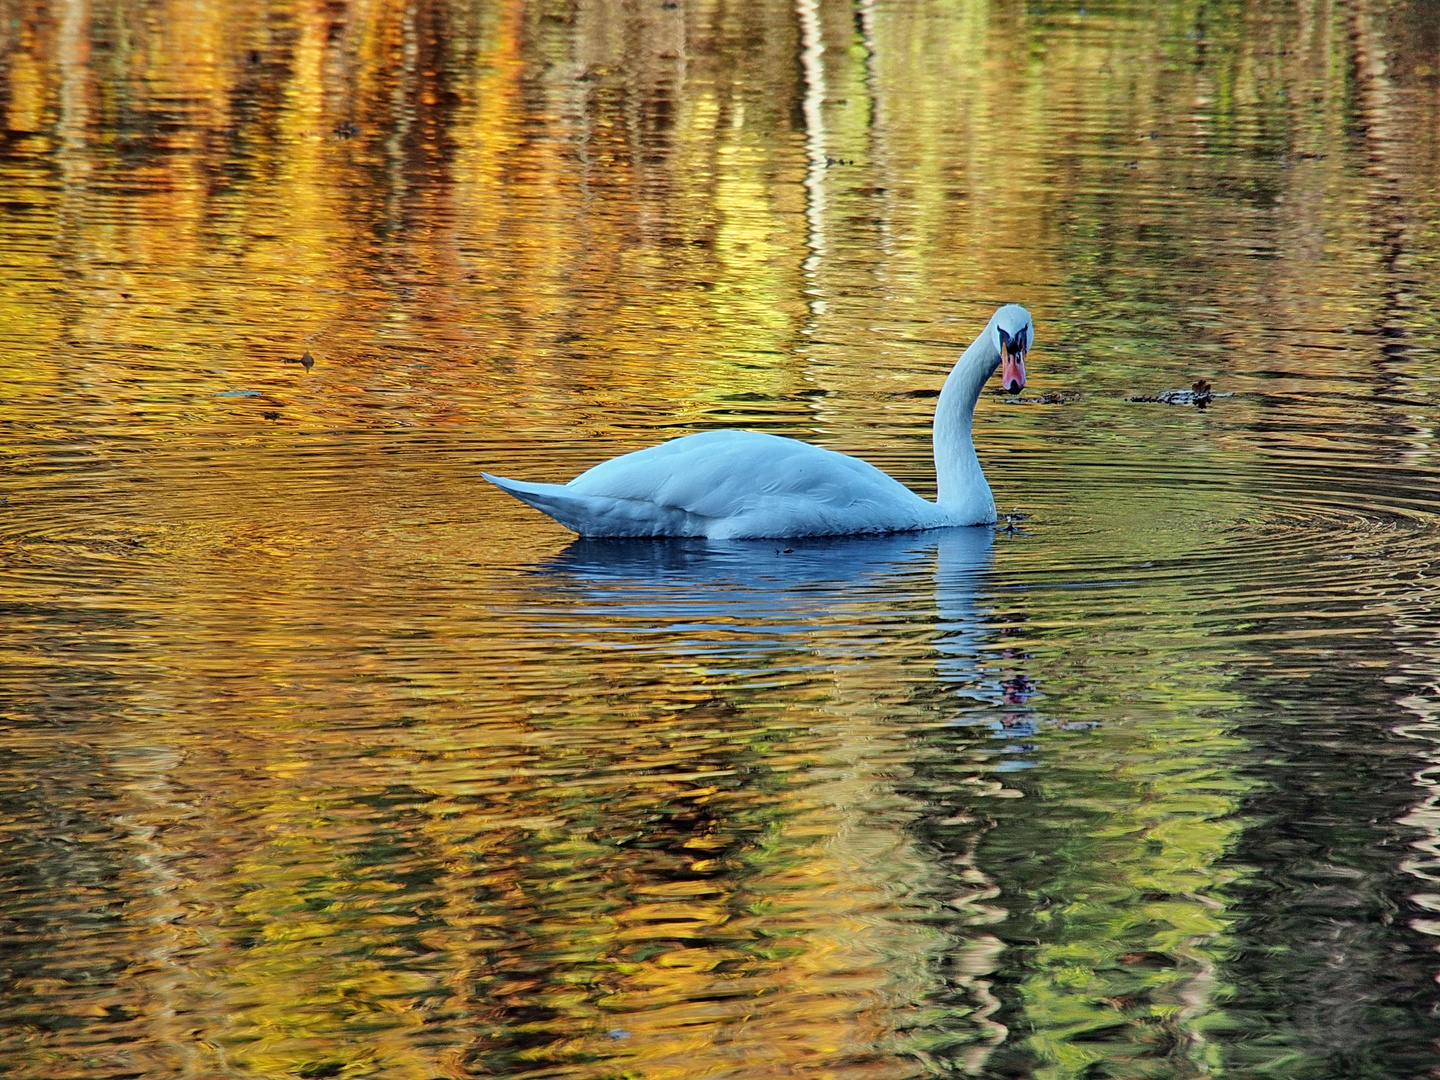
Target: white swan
x=731 y=485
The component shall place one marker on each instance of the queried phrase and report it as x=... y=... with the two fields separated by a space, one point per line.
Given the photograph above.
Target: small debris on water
x=307 y=360
x=238 y=393
x=270 y=415
x=1200 y=394
x=618 y=1033
x=1051 y=398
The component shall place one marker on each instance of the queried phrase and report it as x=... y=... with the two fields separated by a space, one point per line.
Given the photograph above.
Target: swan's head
x=1014 y=334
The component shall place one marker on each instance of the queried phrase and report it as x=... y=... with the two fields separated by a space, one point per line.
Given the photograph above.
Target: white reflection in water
x=753 y=606
x=812 y=64
x=737 y=597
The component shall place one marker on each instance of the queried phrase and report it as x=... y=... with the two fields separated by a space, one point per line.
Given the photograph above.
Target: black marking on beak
x=1013 y=346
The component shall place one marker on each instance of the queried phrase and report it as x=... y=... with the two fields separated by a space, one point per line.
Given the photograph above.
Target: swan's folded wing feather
x=713 y=472
x=754 y=481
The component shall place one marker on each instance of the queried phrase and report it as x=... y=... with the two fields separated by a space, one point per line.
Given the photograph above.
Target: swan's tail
x=564 y=506
x=598 y=515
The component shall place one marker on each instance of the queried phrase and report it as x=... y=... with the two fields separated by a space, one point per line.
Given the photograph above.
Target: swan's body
x=742 y=484
x=729 y=485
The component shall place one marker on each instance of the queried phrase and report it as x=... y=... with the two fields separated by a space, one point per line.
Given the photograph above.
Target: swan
x=734 y=485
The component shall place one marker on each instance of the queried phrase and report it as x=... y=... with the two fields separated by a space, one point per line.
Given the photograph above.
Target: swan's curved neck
x=957 y=469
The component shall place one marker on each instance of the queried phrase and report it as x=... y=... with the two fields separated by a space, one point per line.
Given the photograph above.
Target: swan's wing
x=752 y=484
x=714 y=472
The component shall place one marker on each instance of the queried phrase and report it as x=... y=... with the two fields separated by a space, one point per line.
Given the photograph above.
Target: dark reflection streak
x=252 y=108
x=865 y=29
x=586 y=104
x=877 y=135
x=432 y=145
x=1374 y=103
x=1352 y=987
x=1424 y=704
x=401 y=117
x=1416 y=627
x=882 y=160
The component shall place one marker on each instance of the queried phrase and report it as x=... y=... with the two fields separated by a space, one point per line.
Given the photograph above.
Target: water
x=319 y=757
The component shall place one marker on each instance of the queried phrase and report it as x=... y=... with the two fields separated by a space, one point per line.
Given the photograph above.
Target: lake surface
x=321 y=757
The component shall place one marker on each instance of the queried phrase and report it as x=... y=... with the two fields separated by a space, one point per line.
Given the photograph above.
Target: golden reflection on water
x=321 y=758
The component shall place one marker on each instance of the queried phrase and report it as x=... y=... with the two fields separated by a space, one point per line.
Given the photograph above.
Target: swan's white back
x=745 y=484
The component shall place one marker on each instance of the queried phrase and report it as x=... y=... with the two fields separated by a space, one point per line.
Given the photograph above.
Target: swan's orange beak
x=1012 y=371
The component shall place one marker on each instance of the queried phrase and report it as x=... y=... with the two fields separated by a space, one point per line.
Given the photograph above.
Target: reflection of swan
x=735 y=484
x=828 y=602
x=828 y=595
x=818 y=565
